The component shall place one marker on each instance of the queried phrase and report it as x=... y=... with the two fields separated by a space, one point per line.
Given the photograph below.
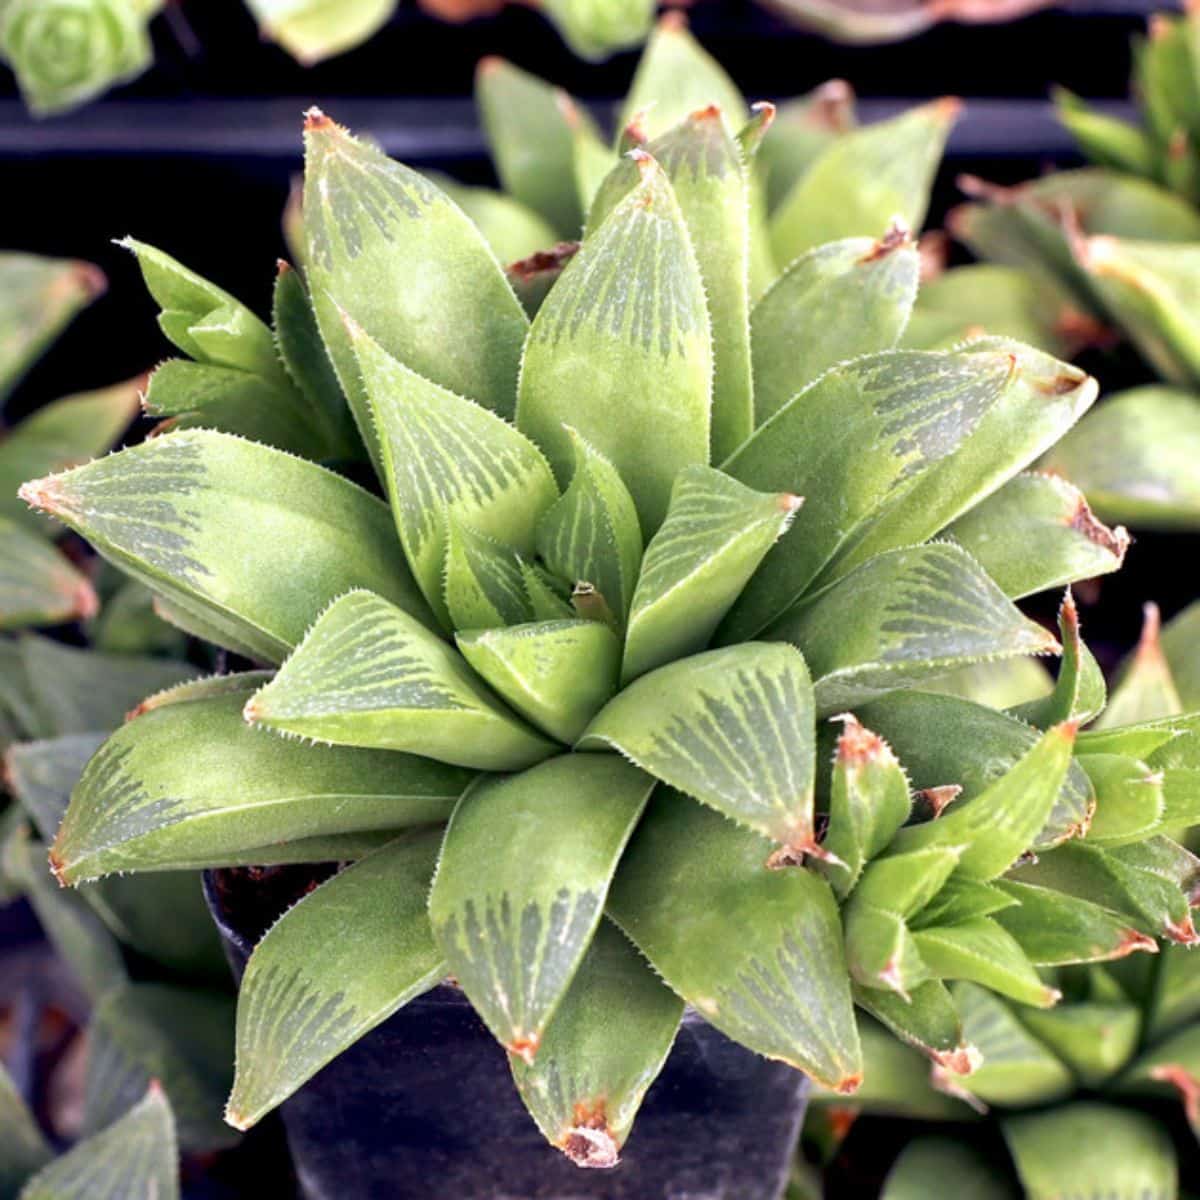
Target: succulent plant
x=1126 y=1034
x=134 y=1157
x=1118 y=246
x=558 y=697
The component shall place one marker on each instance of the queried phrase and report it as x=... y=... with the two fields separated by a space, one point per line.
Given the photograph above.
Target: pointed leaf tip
x=897 y=237
x=591 y=1147
x=44 y=495
x=315 y=121
x=674 y=20
x=856 y=744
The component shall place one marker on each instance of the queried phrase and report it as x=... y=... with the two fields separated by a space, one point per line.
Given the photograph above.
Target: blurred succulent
x=134 y=1158
x=1120 y=244
x=67 y=52
x=1125 y=1034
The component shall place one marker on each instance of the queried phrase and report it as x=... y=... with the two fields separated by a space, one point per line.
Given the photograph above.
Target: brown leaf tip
x=252 y=711
x=315 y=121
x=831 y=105
x=1185 y=1083
x=788 y=502
x=938 y=799
x=44 y=495
x=848 y=1084
x=237 y=1120
x=1183 y=932
x=857 y=744
x=764 y=113
x=962 y=1060
x=89 y=279
x=58 y=865
x=525 y=1047
x=282 y=267
x=489 y=64
x=948 y=108
x=1149 y=648
x=711 y=113
x=1133 y=941
x=593 y=1148
x=673 y=21
x=544 y=261
x=897 y=236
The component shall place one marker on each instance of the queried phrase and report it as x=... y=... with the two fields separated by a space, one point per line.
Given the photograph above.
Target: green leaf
x=533 y=278
x=733 y=728
x=1130 y=801
x=1036 y=533
x=556 y=674
x=1135 y=458
x=626 y=330
x=938 y=1164
x=80 y=691
x=868 y=802
x=186 y=515
x=547 y=595
x=332 y=968
x=23 y=1148
x=603 y=1048
x=484 y=582
x=591 y=534
x=419 y=696
x=1175 y=1001
x=713 y=539
x=982 y=951
x=904 y=617
x=447 y=459
x=710 y=180
x=63 y=434
x=927 y=1020
x=38 y=585
x=390 y=249
x=999 y=824
x=41 y=296
x=871 y=429
x=136 y=1157
x=1147 y=882
x=758 y=953
x=531 y=127
x=1180 y=642
x=962 y=899
x=864 y=179
x=513 y=231
x=1017 y=1069
x=1107 y=141
x=1128 y=1155
x=975 y=748
x=803 y=128
x=1094 y=1040
x=1056 y=929
x=313 y=30
x=189 y=784
x=594 y=29
x=1145 y=689
x=298 y=341
x=676 y=76
x=834 y=303
x=1042 y=398
x=180 y=1037
x=514 y=938
x=1001 y=684
x=1080 y=692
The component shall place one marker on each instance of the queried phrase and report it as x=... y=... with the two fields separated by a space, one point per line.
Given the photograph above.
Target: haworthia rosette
x=515 y=939
x=368 y=675
x=185 y=514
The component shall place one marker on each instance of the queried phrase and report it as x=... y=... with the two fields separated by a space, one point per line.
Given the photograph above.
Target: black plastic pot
x=424 y=1107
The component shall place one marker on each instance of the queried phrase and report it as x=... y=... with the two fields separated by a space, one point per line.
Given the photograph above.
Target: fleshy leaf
x=1079 y=692
x=190 y=784
x=592 y=532
x=927 y=1020
x=621 y=350
x=1094 y=1039
x=134 y=1157
x=181 y=1037
x=1129 y=1155
x=1180 y=637
x=975 y=747
x=868 y=802
x=445 y=458
x=758 y=953
x=996 y=826
x=531 y=130
x=185 y=514
x=676 y=76
x=23 y=1148
x=38 y=585
x=904 y=617
x=1135 y=458
x=881 y=423
x=594 y=29
x=1037 y=532
x=556 y=674
x=731 y=727
x=836 y=302
x=312 y=31
x=803 y=128
x=1130 y=804
x=418 y=696
x=604 y=1046
x=514 y=232
x=939 y=1164
x=864 y=179
x=484 y=583
x=393 y=251
x=332 y=968
x=513 y=938
x=1055 y=930
x=63 y=434
x=715 y=535
x=1145 y=689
